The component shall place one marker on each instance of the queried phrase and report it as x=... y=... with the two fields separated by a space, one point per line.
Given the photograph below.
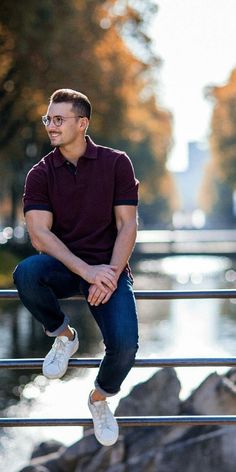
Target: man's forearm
x=48 y=243
x=124 y=245
x=45 y=241
x=122 y=250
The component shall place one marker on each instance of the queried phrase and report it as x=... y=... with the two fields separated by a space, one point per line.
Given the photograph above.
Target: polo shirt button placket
x=72 y=168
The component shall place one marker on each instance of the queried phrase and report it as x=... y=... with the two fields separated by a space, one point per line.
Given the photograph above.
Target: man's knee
x=130 y=354
x=26 y=273
x=19 y=273
x=125 y=352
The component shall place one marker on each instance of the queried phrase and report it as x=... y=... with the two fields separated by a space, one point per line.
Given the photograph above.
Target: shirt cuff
x=126 y=202
x=35 y=206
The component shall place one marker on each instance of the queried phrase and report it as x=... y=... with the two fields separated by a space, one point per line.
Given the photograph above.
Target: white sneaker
x=56 y=361
x=105 y=425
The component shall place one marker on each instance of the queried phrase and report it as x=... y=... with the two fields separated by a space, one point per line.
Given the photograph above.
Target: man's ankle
x=96 y=396
x=69 y=333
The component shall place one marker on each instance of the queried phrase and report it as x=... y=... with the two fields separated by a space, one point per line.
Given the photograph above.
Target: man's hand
x=97 y=296
x=103 y=276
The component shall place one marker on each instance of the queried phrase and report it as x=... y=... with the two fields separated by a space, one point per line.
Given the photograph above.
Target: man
x=80 y=210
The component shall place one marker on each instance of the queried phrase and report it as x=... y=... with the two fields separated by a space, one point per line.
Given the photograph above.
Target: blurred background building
x=188 y=183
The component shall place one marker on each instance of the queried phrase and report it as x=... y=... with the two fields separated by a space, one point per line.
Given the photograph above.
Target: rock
x=48 y=463
x=31 y=468
x=212 y=452
x=117 y=468
x=106 y=457
x=215 y=396
x=166 y=449
x=157 y=396
x=86 y=446
x=144 y=462
x=46 y=447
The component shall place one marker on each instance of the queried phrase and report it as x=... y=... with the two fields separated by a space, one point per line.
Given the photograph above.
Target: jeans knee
x=18 y=274
x=129 y=359
x=25 y=274
x=124 y=354
x=131 y=353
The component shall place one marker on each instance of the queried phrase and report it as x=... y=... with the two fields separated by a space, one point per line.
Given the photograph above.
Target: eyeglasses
x=57 y=120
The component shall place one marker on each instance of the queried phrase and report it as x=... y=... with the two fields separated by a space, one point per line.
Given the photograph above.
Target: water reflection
x=197 y=328
x=168 y=328
x=22 y=336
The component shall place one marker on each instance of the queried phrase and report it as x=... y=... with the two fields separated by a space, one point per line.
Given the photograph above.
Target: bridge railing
x=137 y=421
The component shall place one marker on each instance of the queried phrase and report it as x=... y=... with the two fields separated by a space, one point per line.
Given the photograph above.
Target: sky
x=196 y=40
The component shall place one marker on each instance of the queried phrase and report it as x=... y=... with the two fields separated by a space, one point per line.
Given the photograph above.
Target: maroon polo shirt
x=82 y=198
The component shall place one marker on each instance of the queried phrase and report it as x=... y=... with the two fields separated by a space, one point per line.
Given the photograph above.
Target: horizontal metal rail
x=151 y=294
x=143 y=421
x=95 y=362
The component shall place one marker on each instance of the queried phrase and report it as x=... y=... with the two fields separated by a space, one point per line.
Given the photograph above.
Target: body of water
x=168 y=328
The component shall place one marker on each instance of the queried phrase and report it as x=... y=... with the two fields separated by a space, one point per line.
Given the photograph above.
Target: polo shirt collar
x=91 y=152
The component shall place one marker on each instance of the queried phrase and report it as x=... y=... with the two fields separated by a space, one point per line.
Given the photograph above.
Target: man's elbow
x=36 y=241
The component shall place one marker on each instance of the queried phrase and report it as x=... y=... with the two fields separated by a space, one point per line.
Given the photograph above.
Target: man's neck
x=73 y=152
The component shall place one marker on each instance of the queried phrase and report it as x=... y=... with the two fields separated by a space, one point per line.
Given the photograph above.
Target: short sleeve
x=35 y=195
x=126 y=185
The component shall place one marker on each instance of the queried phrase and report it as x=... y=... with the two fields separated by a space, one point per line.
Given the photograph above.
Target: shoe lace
x=58 y=348
x=100 y=413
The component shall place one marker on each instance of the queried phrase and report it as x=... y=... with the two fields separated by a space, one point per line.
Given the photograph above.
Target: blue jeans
x=41 y=280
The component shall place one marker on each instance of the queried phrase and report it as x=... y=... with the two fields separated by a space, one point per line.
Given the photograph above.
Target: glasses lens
x=57 y=120
x=46 y=120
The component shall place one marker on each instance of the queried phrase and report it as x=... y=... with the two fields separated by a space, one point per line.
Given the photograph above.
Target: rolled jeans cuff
x=59 y=330
x=103 y=392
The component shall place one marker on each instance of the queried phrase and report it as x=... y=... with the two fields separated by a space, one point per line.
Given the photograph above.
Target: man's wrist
x=82 y=271
x=118 y=270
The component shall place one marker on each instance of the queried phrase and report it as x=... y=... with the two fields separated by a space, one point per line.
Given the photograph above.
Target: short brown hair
x=78 y=100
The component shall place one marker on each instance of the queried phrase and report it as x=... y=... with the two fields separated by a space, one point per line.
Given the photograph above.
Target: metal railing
x=137 y=421
x=151 y=294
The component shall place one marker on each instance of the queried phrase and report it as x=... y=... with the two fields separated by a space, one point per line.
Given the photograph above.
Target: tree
x=223 y=134
x=220 y=180
x=99 y=47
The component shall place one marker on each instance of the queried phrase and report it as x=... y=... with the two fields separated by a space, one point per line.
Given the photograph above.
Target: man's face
x=67 y=133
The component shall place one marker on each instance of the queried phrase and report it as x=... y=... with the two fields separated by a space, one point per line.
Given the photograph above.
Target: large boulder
x=214 y=451
x=159 y=395
x=215 y=396
x=166 y=449
x=46 y=447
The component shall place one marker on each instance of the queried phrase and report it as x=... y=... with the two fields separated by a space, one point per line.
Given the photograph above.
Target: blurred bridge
x=186 y=242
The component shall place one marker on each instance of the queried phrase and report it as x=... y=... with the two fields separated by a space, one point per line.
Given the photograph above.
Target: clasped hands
x=103 y=279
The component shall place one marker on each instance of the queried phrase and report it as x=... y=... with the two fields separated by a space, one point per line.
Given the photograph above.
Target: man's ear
x=84 y=123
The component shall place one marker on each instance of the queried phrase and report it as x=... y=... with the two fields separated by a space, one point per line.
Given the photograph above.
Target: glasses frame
x=46 y=120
